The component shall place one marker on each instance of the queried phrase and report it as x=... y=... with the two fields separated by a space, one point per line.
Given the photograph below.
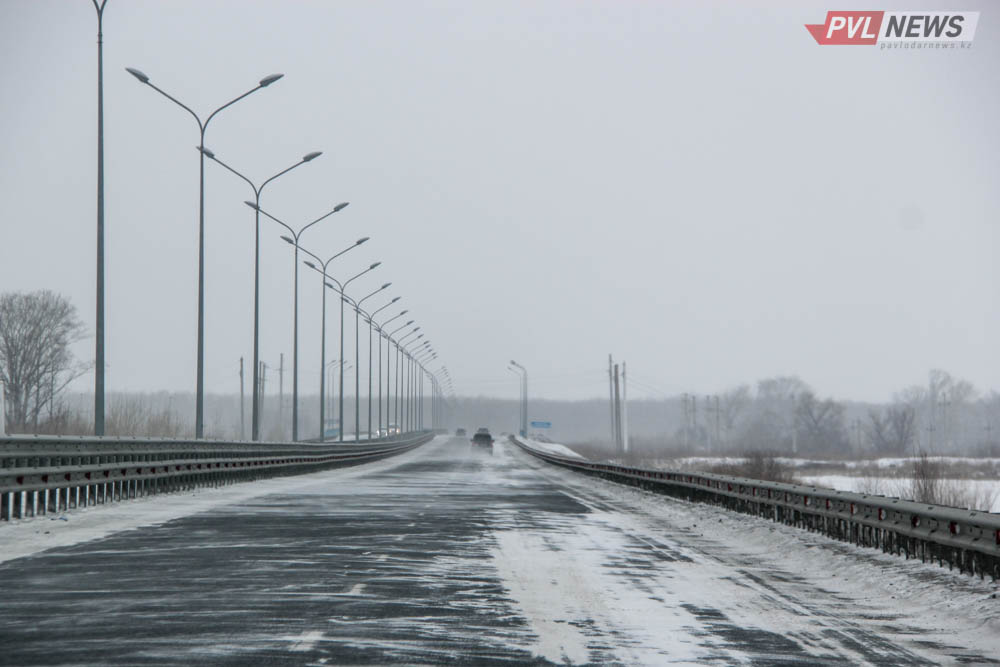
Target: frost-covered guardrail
x=969 y=540
x=42 y=474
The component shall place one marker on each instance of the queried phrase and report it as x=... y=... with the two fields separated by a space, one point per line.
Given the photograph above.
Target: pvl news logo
x=894 y=30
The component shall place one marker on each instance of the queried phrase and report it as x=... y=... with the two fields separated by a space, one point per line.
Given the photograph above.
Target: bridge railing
x=967 y=539
x=43 y=474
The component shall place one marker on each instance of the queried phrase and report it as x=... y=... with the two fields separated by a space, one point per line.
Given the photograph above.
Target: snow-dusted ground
x=889 y=462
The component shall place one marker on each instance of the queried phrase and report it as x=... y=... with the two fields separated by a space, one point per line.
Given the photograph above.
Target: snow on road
x=446 y=554
x=33 y=535
x=793 y=592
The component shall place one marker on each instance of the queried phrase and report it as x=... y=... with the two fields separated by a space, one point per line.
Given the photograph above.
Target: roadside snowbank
x=551 y=448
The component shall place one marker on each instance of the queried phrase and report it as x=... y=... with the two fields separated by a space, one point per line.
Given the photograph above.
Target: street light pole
x=394 y=412
x=408 y=414
x=381 y=334
x=322 y=337
x=370 y=325
x=524 y=399
x=520 y=396
x=257 y=190
x=343 y=298
x=401 y=392
x=199 y=421
x=357 y=375
x=99 y=328
x=294 y=241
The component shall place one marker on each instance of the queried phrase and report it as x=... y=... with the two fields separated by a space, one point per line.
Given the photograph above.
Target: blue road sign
x=541 y=424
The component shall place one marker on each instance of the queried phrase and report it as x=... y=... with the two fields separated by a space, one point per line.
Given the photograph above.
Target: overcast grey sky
x=696 y=187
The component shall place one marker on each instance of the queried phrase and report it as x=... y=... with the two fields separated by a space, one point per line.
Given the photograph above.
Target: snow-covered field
x=896 y=486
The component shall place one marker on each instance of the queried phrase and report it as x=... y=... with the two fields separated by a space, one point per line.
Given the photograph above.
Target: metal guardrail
x=967 y=539
x=43 y=474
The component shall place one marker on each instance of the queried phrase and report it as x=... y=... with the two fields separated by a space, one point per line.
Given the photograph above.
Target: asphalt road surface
x=446 y=555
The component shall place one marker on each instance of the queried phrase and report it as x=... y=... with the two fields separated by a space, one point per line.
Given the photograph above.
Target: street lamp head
x=311 y=156
x=309 y=264
x=207 y=153
x=341 y=206
x=384 y=286
x=375 y=265
x=396 y=299
x=362 y=240
x=252 y=205
x=268 y=80
x=288 y=239
x=408 y=323
x=404 y=313
x=415 y=330
x=137 y=74
x=330 y=286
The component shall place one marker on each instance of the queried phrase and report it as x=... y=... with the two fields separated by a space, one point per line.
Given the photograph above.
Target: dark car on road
x=460 y=432
x=483 y=440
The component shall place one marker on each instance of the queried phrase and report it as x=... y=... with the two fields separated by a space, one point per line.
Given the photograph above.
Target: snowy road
x=444 y=555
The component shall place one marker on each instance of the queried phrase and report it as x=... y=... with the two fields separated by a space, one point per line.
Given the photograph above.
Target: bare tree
x=893 y=430
x=820 y=424
x=36 y=330
x=732 y=404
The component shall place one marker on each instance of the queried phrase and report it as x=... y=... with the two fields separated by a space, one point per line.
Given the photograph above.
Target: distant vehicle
x=460 y=432
x=483 y=440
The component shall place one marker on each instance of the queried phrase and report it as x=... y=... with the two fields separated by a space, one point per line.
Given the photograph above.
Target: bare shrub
x=926 y=480
x=764 y=466
x=870 y=482
x=132 y=415
x=929 y=484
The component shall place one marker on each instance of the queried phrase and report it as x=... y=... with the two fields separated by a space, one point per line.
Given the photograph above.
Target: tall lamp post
x=294 y=241
x=520 y=396
x=524 y=398
x=99 y=327
x=343 y=298
x=357 y=362
x=257 y=190
x=400 y=386
x=199 y=421
x=370 y=325
x=388 y=364
x=381 y=334
x=408 y=402
x=322 y=337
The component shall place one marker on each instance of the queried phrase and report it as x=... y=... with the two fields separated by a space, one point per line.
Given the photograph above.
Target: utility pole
x=624 y=409
x=687 y=420
x=243 y=430
x=618 y=413
x=263 y=384
x=708 y=423
x=611 y=402
x=281 y=394
x=694 y=417
x=717 y=440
